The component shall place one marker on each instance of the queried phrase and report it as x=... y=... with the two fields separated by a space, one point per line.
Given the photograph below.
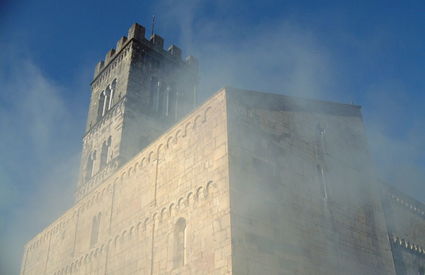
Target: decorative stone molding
x=160 y=214
x=137 y=33
x=133 y=167
x=413 y=207
x=406 y=244
x=118 y=108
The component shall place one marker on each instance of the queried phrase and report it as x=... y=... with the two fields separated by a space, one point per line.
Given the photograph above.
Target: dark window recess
x=89 y=165
x=104 y=153
x=95 y=230
x=101 y=106
x=179 y=243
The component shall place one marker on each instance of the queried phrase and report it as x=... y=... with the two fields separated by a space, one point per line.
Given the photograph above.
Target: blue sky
x=367 y=52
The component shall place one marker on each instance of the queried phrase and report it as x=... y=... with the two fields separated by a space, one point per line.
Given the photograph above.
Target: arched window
x=169 y=102
x=179 y=243
x=111 y=96
x=95 y=230
x=106 y=99
x=101 y=107
x=108 y=92
x=89 y=165
x=104 y=153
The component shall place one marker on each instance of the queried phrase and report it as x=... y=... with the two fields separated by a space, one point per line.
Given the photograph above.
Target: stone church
x=244 y=183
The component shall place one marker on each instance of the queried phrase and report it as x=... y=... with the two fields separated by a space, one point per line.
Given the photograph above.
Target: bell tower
x=137 y=92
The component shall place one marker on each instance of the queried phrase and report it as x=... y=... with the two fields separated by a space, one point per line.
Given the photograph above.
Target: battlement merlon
x=157 y=41
x=121 y=43
x=137 y=32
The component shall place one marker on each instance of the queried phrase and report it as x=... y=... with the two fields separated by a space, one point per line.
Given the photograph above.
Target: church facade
x=245 y=183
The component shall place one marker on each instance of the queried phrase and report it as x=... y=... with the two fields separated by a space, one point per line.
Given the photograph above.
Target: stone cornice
x=408 y=245
x=158 y=215
x=405 y=201
x=118 y=107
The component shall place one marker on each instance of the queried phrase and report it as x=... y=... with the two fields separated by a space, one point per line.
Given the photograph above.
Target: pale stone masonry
x=405 y=219
x=303 y=198
x=138 y=92
x=184 y=173
x=246 y=183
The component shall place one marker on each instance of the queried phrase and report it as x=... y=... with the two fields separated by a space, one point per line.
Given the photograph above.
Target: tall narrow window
x=107 y=99
x=179 y=243
x=89 y=165
x=104 y=153
x=101 y=107
x=111 y=94
x=322 y=181
x=95 y=230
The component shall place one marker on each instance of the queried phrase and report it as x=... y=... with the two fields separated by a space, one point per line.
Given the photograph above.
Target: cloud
x=274 y=56
x=396 y=136
x=38 y=162
x=279 y=55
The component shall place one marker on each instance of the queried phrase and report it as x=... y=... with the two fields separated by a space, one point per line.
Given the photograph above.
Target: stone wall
x=303 y=199
x=109 y=129
x=138 y=92
x=248 y=183
x=116 y=69
x=183 y=174
x=405 y=219
x=100 y=129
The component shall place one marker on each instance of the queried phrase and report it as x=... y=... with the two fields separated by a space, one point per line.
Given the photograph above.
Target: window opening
x=89 y=165
x=104 y=153
x=101 y=106
x=107 y=100
x=111 y=97
x=95 y=230
x=179 y=242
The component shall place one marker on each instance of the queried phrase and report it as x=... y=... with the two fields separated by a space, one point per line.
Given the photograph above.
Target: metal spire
x=153 y=25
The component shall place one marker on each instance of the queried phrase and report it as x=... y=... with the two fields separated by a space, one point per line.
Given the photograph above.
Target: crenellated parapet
x=56 y=228
x=405 y=201
x=155 y=42
x=407 y=244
